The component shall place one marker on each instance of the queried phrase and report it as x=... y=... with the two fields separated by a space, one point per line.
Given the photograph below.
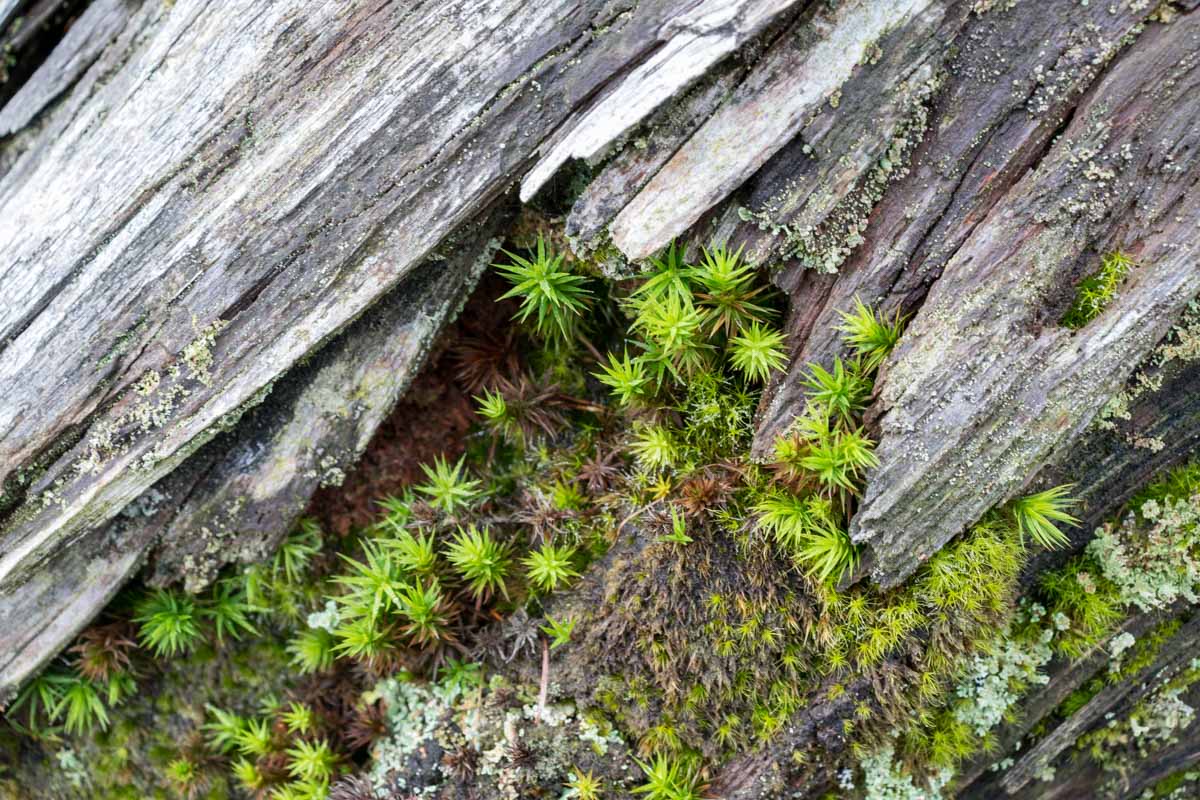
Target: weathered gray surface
x=694 y=41
x=204 y=195
x=8 y=9
x=79 y=49
x=1077 y=777
x=986 y=385
x=989 y=123
x=237 y=496
x=631 y=168
x=245 y=179
x=799 y=74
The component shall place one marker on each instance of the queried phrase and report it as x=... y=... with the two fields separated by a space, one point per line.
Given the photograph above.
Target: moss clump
x=1097 y=292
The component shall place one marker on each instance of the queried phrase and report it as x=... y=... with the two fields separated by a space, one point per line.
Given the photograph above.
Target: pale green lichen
x=995 y=680
x=824 y=244
x=1161 y=568
x=883 y=780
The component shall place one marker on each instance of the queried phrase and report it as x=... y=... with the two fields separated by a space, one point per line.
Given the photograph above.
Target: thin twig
x=544 y=689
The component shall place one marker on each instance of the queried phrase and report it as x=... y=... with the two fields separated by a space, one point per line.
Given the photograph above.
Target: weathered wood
x=693 y=41
x=792 y=81
x=989 y=123
x=236 y=497
x=8 y=10
x=202 y=205
x=1175 y=656
x=79 y=49
x=986 y=384
x=151 y=306
x=632 y=167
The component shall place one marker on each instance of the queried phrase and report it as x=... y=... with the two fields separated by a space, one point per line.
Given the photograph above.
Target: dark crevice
x=30 y=38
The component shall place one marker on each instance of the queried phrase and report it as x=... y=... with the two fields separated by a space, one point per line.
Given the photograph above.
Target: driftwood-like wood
x=237 y=496
x=226 y=236
x=79 y=49
x=991 y=121
x=987 y=384
x=1075 y=777
x=299 y=160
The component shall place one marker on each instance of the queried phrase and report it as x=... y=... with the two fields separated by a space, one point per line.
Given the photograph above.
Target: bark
x=233 y=229
x=157 y=298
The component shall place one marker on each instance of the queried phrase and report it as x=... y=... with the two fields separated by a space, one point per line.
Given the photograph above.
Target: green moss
x=1097 y=292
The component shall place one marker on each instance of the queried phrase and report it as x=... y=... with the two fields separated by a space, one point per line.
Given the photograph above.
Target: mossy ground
x=559 y=561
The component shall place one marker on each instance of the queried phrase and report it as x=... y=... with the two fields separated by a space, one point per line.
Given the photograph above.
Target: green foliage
x=670 y=277
x=311 y=761
x=1179 y=483
x=828 y=554
x=871 y=335
x=626 y=377
x=248 y=776
x=789 y=518
x=81 y=706
x=1097 y=292
x=495 y=412
x=678 y=534
x=838 y=457
x=757 y=351
x=169 y=622
x=411 y=553
x=426 y=610
x=372 y=585
x=670 y=778
x=363 y=639
x=550 y=294
x=183 y=773
x=254 y=738
x=550 y=566
x=822 y=461
x=225 y=731
x=842 y=393
x=974 y=574
x=583 y=786
x=312 y=650
x=654 y=447
x=727 y=292
x=1090 y=602
x=229 y=611
x=559 y=631
x=297 y=551
x=481 y=560
x=448 y=489
x=298 y=718
x=41 y=699
x=1035 y=516
x=674 y=340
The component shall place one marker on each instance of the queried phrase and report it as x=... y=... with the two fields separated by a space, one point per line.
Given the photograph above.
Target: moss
x=1098 y=291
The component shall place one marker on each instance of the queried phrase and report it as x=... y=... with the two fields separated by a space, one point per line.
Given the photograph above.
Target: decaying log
x=1174 y=658
x=236 y=496
x=1076 y=778
x=227 y=231
x=301 y=159
x=82 y=45
x=987 y=384
x=990 y=122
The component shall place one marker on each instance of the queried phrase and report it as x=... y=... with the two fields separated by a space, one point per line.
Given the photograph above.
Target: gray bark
x=222 y=223
x=222 y=192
